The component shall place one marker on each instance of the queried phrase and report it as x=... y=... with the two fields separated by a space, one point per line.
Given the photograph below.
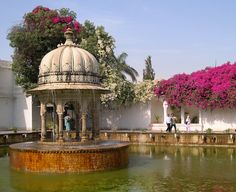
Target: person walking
x=173 y=121
x=187 y=123
x=168 y=123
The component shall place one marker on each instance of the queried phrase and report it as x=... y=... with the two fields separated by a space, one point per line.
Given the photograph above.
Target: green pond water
x=151 y=168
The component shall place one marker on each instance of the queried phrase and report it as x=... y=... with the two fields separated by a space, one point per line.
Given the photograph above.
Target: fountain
x=69 y=81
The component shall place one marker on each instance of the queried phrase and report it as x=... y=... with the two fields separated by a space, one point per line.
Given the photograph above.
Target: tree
x=40 y=32
x=144 y=91
x=122 y=91
x=124 y=68
x=148 y=72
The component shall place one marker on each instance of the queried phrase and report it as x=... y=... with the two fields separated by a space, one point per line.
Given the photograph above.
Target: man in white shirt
x=168 y=123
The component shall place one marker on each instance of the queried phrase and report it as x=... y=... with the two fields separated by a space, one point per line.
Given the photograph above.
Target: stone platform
x=68 y=157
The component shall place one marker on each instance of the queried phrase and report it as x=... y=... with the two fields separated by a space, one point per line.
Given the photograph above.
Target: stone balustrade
x=162 y=138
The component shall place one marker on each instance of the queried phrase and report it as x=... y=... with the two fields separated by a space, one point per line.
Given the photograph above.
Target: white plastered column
x=200 y=120
x=182 y=115
x=96 y=110
x=84 y=137
x=165 y=107
x=60 y=119
x=43 y=120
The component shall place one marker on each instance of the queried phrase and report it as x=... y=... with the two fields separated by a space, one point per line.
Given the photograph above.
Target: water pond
x=151 y=168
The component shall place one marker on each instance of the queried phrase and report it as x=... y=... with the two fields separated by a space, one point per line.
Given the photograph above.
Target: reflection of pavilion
x=68 y=76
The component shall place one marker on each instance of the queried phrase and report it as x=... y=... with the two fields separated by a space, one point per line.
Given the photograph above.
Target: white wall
x=5 y=113
x=35 y=114
x=6 y=95
x=22 y=115
x=16 y=108
x=137 y=116
x=140 y=116
x=157 y=110
x=219 y=120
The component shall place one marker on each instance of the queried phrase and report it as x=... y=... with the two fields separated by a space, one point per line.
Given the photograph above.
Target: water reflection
x=3 y=151
x=183 y=152
x=151 y=168
x=187 y=165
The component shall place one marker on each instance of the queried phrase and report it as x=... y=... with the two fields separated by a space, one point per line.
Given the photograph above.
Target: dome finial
x=69 y=36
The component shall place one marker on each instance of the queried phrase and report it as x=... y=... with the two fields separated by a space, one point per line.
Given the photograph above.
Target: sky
x=181 y=36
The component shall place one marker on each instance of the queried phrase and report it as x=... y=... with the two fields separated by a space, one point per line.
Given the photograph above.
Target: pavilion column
x=77 y=120
x=60 y=120
x=182 y=115
x=96 y=110
x=93 y=123
x=84 y=128
x=165 y=107
x=84 y=137
x=43 y=121
x=56 y=126
x=200 y=120
x=60 y=117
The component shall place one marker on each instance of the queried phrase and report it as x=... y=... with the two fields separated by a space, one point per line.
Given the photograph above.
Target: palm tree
x=124 y=69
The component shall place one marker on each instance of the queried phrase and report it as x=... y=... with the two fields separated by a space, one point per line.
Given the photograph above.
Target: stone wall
x=64 y=158
x=9 y=138
x=171 y=138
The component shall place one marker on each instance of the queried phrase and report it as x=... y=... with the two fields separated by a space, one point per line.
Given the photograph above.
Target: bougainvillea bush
x=40 y=32
x=48 y=18
x=42 y=29
x=210 y=88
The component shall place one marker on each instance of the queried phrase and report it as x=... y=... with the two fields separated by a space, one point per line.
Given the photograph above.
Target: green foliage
x=50 y=125
x=14 y=129
x=126 y=93
x=125 y=69
x=148 y=72
x=88 y=38
x=157 y=118
x=144 y=91
x=122 y=91
x=65 y=12
x=105 y=47
x=227 y=130
x=41 y=31
x=209 y=130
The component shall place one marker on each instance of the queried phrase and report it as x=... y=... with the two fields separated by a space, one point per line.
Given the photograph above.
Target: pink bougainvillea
x=56 y=20
x=52 y=17
x=40 y=8
x=210 y=88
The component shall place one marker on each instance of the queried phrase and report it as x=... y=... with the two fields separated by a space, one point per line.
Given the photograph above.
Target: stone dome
x=68 y=64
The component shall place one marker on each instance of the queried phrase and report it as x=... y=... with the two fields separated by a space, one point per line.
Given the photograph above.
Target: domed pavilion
x=69 y=79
